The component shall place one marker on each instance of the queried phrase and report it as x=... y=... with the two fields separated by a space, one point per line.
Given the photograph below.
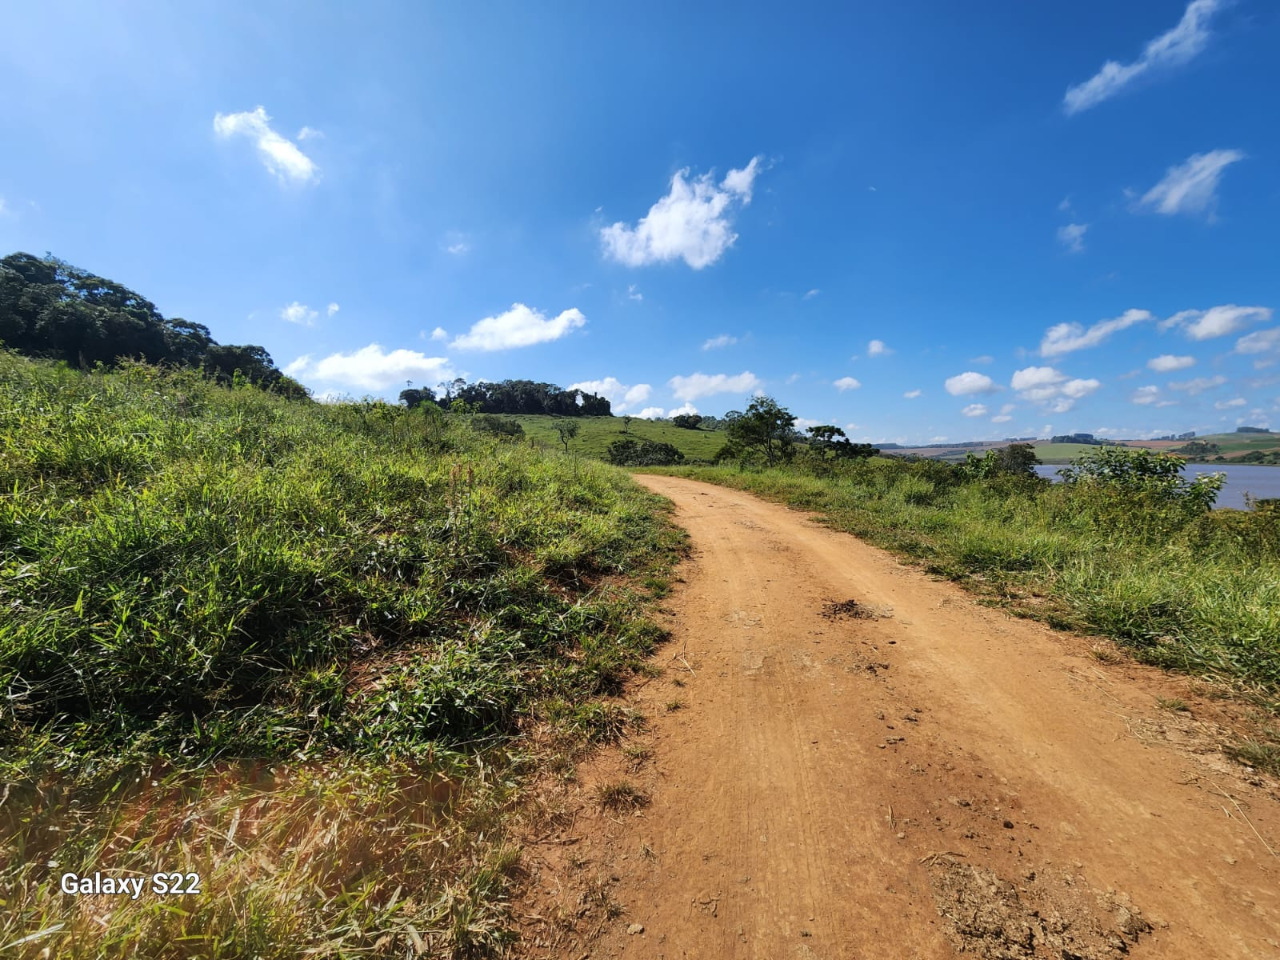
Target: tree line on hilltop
x=509 y=397
x=51 y=309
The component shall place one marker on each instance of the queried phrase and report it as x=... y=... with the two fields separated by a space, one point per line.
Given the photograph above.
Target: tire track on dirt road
x=912 y=775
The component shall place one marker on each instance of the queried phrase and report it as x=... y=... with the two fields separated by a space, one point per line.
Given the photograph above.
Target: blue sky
x=923 y=219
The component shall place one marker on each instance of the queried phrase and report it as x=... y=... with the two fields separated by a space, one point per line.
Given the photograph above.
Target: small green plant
x=674 y=705
x=1173 y=704
x=1264 y=757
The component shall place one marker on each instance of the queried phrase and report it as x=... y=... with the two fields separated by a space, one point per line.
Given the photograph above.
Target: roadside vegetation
x=310 y=652
x=1127 y=547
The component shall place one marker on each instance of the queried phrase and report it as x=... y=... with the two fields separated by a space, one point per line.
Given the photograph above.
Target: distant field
x=1230 y=444
x=596 y=433
x=1062 y=452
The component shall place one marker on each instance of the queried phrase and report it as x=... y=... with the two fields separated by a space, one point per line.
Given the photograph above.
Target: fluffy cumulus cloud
x=1192 y=186
x=620 y=396
x=279 y=154
x=846 y=383
x=520 y=326
x=439 y=333
x=650 y=413
x=1145 y=395
x=372 y=368
x=685 y=409
x=1198 y=385
x=330 y=310
x=693 y=222
x=967 y=383
x=1071 y=236
x=1051 y=388
x=912 y=394
x=299 y=313
x=975 y=410
x=1069 y=337
x=877 y=348
x=715 y=343
x=1171 y=49
x=1216 y=321
x=1167 y=363
x=698 y=385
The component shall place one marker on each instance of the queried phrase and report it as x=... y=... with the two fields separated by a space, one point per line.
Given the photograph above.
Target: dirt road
x=907 y=775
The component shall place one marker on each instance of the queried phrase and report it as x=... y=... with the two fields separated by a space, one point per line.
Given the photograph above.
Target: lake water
x=1251 y=478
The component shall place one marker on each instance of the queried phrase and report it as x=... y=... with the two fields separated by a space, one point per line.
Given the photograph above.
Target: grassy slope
x=1188 y=591
x=596 y=433
x=293 y=648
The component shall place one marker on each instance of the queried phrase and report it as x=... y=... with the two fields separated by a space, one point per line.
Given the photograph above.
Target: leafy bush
x=643 y=453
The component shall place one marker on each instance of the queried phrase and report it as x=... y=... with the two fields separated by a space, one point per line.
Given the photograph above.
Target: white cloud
x=331 y=309
x=715 y=343
x=877 y=348
x=703 y=385
x=1009 y=408
x=1199 y=384
x=298 y=366
x=310 y=133
x=963 y=384
x=439 y=333
x=1002 y=418
x=1170 y=49
x=1145 y=395
x=1167 y=363
x=983 y=359
x=370 y=368
x=912 y=394
x=520 y=326
x=4 y=210
x=618 y=394
x=692 y=222
x=1051 y=388
x=1216 y=321
x=846 y=383
x=1261 y=341
x=1190 y=187
x=811 y=294
x=683 y=409
x=1072 y=236
x=299 y=313
x=975 y=410
x=1067 y=337
x=1228 y=404
x=650 y=413
x=278 y=154
x=633 y=293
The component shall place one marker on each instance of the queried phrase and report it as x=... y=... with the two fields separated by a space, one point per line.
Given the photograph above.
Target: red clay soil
x=846 y=758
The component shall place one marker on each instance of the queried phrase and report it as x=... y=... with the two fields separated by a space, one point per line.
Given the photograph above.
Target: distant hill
x=596 y=433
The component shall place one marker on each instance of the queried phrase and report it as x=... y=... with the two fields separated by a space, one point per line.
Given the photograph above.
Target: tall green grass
x=1181 y=587
x=194 y=578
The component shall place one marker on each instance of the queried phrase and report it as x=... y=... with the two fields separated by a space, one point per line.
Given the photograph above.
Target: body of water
x=1257 y=481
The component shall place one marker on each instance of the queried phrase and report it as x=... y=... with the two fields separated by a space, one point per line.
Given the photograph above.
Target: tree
x=1017 y=459
x=567 y=430
x=626 y=423
x=766 y=429
x=831 y=442
x=415 y=397
x=686 y=421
